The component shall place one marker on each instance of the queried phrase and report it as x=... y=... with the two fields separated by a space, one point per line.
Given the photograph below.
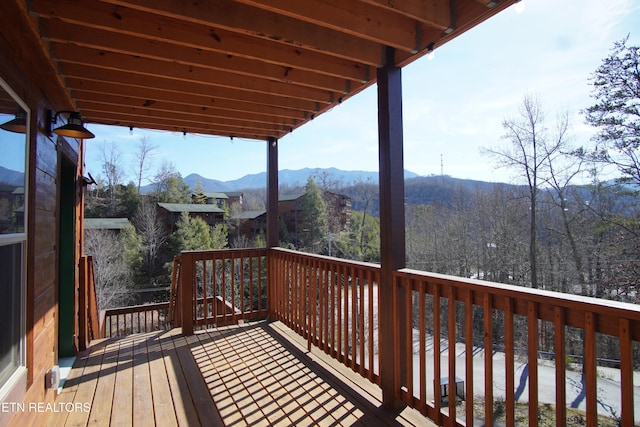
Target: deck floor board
x=248 y=375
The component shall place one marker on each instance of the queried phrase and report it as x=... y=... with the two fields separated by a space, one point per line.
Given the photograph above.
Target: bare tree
x=562 y=172
x=143 y=159
x=111 y=157
x=325 y=181
x=530 y=150
x=112 y=274
x=365 y=192
x=152 y=231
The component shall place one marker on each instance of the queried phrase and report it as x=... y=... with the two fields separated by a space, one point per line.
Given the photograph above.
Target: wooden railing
x=499 y=327
x=90 y=323
x=330 y=302
x=222 y=287
x=460 y=342
x=136 y=319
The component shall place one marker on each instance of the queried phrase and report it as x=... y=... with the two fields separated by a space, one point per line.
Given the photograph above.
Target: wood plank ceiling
x=243 y=68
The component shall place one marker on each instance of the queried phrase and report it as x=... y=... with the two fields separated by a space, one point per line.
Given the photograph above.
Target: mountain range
x=292 y=178
x=11 y=177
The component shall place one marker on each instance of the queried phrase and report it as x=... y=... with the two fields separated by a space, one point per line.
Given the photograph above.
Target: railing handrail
x=136 y=308
x=226 y=251
x=607 y=312
x=334 y=260
x=539 y=295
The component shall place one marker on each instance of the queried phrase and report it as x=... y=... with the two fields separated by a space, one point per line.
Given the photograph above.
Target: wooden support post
x=392 y=222
x=272 y=219
x=186 y=293
x=272 y=193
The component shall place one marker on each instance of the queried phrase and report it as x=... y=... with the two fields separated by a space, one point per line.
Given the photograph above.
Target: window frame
x=20 y=373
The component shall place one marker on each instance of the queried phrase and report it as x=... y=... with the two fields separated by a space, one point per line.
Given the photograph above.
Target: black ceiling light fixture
x=74 y=127
x=18 y=124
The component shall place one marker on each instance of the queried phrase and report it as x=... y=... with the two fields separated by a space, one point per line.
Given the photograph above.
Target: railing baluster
x=509 y=361
x=232 y=281
x=223 y=266
x=626 y=373
x=408 y=362
x=532 y=347
x=251 y=282
x=362 y=324
x=422 y=315
x=488 y=360
x=310 y=304
x=371 y=326
x=451 y=352
x=339 y=311
x=468 y=345
x=241 y=287
x=323 y=307
x=205 y=294
x=437 y=369
x=345 y=312
x=354 y=317
x=590 y=372
x=560 y=360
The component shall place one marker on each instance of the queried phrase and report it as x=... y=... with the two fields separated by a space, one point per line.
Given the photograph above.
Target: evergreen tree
x=219 y=236
x=616 y=91
x=314 y=219
x=191 y=234
x=130 y=200
x=132 y=248
x=198 y=196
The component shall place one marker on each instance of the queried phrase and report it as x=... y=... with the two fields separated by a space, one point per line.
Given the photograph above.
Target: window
x=13 y=237
x=11 y=314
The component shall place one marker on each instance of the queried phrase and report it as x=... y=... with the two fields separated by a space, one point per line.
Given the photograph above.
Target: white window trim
x=19 y=375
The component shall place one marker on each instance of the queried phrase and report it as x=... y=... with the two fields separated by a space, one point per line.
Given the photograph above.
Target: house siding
x=37 y=85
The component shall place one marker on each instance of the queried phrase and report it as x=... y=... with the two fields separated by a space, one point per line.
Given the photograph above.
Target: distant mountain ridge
x=286 y=176
x=11 y=177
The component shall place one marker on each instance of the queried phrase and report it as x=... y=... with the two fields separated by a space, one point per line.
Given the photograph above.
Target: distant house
x=234 y=197
x=114 y=224
x=249 y=224
x=220 y=199
x=171 y=212
x=290 y=211
x=338 y=210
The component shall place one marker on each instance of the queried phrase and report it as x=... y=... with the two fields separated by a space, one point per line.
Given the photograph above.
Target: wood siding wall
x=36 y=83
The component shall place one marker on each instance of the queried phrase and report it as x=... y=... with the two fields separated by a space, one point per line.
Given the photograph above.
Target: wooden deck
x=255 y=374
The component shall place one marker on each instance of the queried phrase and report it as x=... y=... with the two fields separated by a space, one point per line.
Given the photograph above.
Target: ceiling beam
x=193 y=105
x=146 y=63
x=436 y=14
x=232 y=16
x=183 y=119
x=201 y=115
x=223 y=128
x=228 y=96
x=228 y=44
x=189 y=83
x=362 y=20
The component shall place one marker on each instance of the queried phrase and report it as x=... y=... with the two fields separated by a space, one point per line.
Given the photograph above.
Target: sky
x=453 y=104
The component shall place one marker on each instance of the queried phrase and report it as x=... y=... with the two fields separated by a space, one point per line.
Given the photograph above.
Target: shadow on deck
x=255 y=374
